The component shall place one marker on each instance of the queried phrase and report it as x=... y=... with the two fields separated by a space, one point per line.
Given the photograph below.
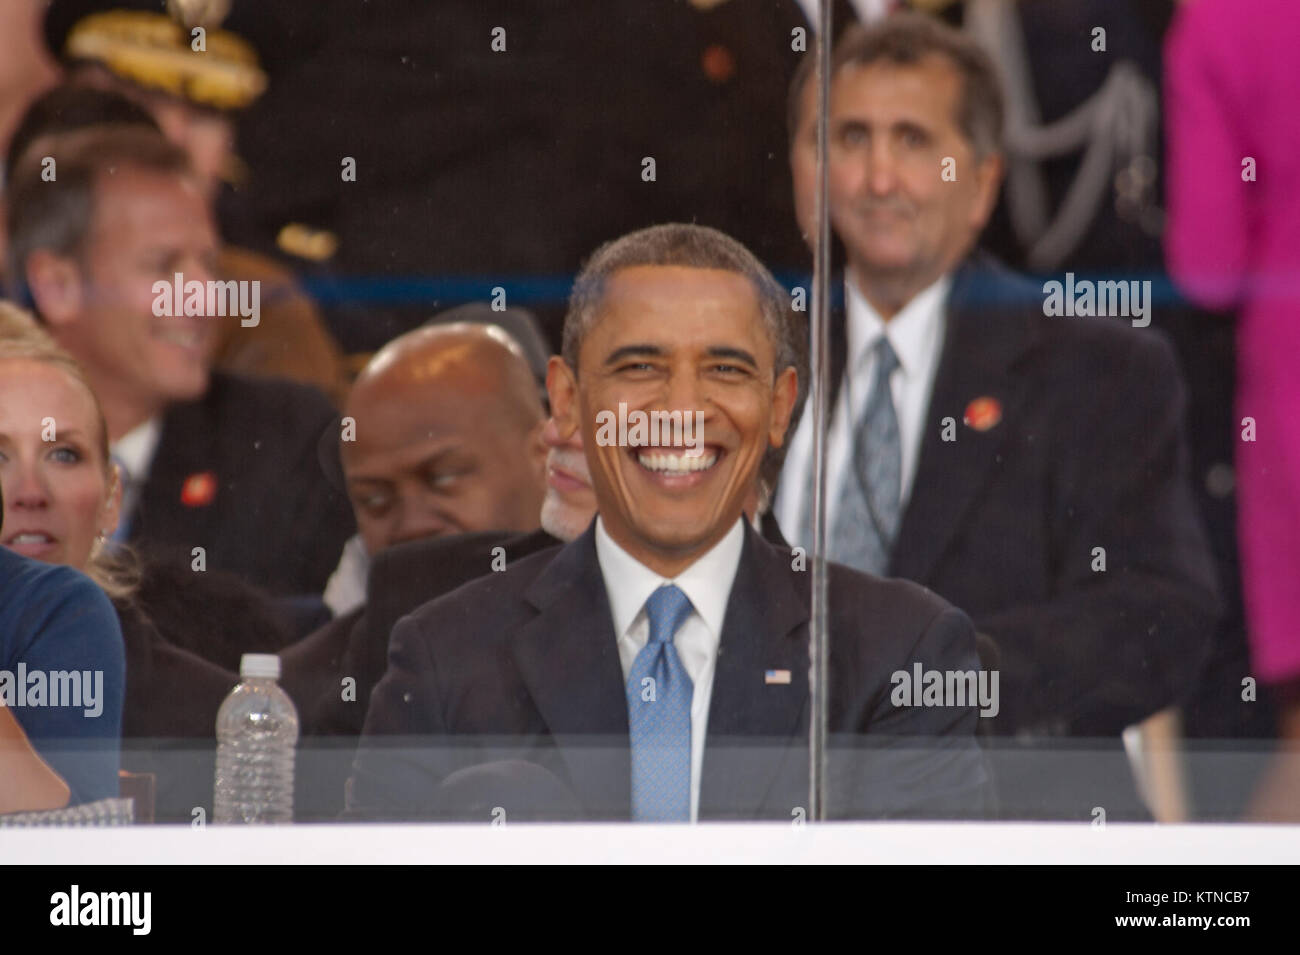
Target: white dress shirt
x=345 y=591
x=916 y=334
x=135 y=451
x=707 y=583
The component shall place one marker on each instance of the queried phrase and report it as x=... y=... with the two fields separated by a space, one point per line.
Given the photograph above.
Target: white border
x=890 y=843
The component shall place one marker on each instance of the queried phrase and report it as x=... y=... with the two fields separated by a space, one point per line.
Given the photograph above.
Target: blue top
x=62 y=670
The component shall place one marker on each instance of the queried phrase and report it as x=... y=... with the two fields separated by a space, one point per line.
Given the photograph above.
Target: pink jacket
x=1232 y=93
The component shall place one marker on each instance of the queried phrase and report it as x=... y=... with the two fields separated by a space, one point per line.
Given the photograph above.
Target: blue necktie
x=659 y=695
x=866 y=522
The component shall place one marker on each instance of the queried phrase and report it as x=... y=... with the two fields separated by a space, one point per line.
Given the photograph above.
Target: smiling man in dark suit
x=1031 y=470
x=656 y=667
x=208 y=459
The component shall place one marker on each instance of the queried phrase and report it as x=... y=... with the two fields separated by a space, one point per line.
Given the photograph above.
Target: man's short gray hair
x=904 y=39
x=694 y=246
x=699 y=247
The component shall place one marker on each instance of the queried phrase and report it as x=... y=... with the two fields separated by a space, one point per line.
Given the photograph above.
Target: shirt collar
x=135 y=449
x=912 y=332
x=707 y=582
x=345 y=591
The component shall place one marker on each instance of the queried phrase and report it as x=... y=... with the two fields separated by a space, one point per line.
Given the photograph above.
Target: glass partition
x=603 y=411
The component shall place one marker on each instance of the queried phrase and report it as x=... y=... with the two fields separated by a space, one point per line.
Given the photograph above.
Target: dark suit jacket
x=523 y=664
x=273 y=519
x=169 y=716
x=355 y=645
x=1090 y=452
x=401 y=578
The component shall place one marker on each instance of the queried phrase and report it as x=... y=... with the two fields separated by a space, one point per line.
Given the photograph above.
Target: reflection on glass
x=485 y=380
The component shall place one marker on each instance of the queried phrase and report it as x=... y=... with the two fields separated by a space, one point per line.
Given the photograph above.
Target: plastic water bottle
x=257 y=732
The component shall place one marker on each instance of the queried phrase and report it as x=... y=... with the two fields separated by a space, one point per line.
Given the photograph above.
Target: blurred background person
x=212 y=460
x=404 y=575
x=1002 y=517
x=1233 y=243
x=51 y=619
x=570 y=502
x=346 y=589
x=441 y=436
x=61 y=506
x=1085 y=191
x=133 y=48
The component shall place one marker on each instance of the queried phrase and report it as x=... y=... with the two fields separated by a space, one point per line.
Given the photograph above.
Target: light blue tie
x=866 y=521
x=659 y=695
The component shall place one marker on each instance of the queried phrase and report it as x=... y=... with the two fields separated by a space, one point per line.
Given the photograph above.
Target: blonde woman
x=61 y=501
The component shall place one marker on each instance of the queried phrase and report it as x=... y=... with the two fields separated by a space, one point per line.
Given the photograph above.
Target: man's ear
x=57 y=287
x=784 y=393
x=988 y=180
x=562 y=388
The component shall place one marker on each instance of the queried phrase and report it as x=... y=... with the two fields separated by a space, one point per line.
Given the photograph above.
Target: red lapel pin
x=718 y=63
x=199 y=490
x=983 y=414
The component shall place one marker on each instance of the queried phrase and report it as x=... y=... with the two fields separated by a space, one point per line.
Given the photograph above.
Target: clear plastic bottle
x=257 y=733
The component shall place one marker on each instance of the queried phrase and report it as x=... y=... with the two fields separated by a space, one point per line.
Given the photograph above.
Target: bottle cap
x=259 y=665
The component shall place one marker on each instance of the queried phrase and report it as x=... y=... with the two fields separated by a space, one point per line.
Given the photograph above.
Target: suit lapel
x=568 y=658
x=185 y=450
x=753 y=722
x=986 y=334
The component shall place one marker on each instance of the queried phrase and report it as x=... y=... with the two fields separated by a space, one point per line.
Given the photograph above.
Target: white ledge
x=890 y=843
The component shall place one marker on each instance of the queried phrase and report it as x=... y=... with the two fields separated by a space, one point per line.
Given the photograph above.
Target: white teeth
x=677 y=463
x=32 y=539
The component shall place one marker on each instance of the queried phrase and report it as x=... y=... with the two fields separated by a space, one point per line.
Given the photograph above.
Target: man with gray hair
x=1030 y=469
x=656 y=667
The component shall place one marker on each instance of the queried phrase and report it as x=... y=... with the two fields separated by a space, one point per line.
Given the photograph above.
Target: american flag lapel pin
x=776 y=677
